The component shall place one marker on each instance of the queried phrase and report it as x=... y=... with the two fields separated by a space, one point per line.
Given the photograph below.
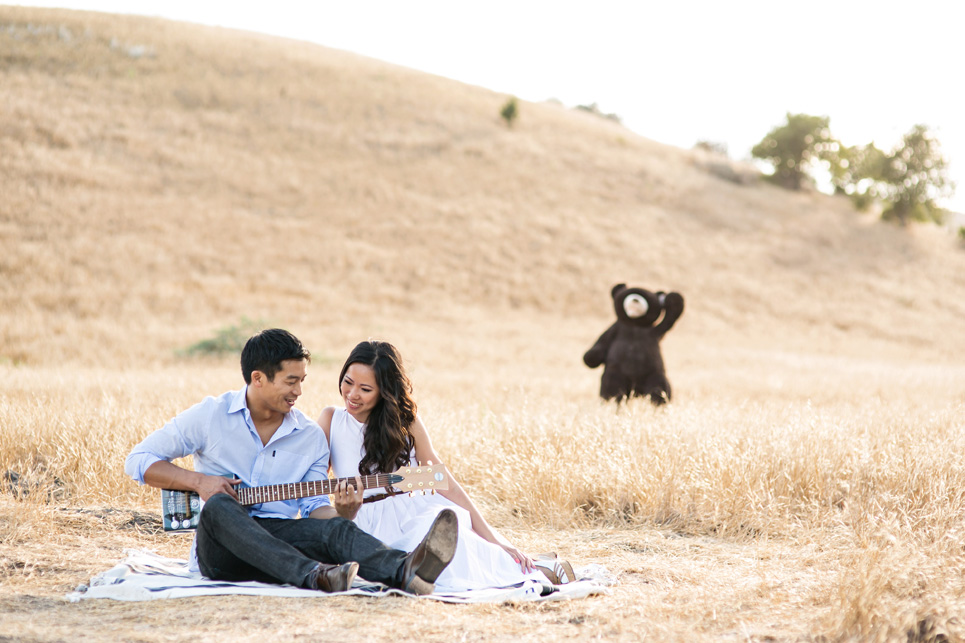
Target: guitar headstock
x=423 y=477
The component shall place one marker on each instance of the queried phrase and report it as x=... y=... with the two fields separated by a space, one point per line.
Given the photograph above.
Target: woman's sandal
x=558 y=571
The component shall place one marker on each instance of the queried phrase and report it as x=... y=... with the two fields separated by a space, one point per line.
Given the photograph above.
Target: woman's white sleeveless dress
x=403 y=521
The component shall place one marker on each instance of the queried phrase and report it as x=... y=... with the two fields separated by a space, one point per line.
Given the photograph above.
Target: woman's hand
x=348 y=498
x=525 y=562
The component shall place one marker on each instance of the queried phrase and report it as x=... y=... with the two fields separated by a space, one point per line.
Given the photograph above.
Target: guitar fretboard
x=291 y=491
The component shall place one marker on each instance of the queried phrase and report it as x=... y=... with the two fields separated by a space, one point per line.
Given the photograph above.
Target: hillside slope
x=161 y=180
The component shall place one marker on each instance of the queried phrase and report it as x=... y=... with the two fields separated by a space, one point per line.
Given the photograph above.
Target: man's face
x=279 y=394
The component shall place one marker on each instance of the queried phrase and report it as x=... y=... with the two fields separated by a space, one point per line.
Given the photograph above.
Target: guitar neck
x=294 y=490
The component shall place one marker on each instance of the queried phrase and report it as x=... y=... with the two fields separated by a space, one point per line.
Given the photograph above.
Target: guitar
x=181 y=509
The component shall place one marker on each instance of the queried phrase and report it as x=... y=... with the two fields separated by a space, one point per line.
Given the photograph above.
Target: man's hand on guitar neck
x=211 y=485
x=164 y=475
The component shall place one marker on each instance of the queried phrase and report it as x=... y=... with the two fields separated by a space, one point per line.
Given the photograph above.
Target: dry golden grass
x=721 y=518
x=161 y=181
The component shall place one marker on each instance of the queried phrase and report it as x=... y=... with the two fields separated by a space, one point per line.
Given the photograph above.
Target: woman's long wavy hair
x=387 y=441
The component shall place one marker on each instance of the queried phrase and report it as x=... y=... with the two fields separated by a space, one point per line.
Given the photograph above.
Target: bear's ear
x=616 y=289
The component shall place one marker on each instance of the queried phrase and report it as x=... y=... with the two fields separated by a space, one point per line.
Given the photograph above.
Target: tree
x=510 y=111
x=857 y=172
x=913 y=178
x=909 y=180
x=793 y=149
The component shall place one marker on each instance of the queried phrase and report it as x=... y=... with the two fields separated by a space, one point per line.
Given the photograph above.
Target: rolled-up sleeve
x=175 y=439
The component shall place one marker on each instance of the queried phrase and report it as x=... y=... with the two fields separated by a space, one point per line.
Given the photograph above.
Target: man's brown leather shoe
x=423 y=566
x=333 y=578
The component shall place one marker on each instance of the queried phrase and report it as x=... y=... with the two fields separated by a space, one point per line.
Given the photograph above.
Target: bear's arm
x=673 y=308
x=596 y=355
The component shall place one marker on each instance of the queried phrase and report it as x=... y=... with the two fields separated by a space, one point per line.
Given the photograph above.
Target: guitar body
x=181 y=510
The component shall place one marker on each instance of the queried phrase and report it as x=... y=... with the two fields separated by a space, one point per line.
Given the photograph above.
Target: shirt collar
x=239 y=403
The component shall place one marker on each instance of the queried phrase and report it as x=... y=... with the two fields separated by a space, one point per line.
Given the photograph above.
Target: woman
x=379 y=431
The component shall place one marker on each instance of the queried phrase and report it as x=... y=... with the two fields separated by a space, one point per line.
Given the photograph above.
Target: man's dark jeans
x=233 y=546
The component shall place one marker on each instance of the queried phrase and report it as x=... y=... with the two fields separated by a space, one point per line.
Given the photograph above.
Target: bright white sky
x=676 y=72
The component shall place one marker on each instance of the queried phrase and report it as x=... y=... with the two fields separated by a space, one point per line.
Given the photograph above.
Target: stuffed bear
x=630 y=348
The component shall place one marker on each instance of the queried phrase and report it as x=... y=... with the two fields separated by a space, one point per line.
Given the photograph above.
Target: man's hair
x=266 y=350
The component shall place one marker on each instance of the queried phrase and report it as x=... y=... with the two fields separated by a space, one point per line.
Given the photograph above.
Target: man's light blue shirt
x=220 y=434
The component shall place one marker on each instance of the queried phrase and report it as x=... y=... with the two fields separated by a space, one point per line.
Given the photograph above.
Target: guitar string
x=272 y=493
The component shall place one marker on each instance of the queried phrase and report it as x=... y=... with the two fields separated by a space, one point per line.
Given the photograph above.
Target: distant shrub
x=226 y=341
x=592 y=108
x=739 y=174
x=510 y=111
x=723 y=171
x=961 y=233
x=712 y=147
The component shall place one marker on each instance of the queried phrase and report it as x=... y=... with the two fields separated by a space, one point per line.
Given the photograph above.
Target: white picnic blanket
x=146 y=576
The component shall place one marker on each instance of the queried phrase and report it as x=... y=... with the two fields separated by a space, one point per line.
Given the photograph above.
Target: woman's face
x=359 y=391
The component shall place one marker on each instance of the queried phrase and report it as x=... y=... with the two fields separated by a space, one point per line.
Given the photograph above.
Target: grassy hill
x=161 y=181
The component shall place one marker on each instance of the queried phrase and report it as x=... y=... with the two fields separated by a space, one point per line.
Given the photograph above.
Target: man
x=256 y=436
